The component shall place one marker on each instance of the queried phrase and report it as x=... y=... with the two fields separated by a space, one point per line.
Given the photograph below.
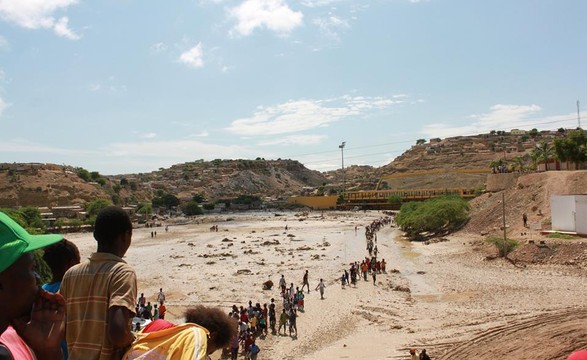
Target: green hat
x=16 y=241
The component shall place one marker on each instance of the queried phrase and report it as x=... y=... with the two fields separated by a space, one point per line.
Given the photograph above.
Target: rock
x=243 y=272
x=267 y=285
x=403 y=288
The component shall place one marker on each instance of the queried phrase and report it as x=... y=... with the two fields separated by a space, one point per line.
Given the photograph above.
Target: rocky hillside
x=437 y=163
x=56 y=185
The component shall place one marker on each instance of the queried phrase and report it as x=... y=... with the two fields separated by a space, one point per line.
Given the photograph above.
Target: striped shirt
x=90 y=289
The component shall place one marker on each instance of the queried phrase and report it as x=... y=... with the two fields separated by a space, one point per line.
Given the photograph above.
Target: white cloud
x=275 y=15
x=301 y=115
x=158 y=48
x=23 y=146
x=3 y=106
x=148 y=136
x=201 y=134
x=61 y=29
x=501 y=117
x=331 y=25
x=38 y=14
x=317 y=3
x=193 y=57
x=4 y=44
x=295 y=140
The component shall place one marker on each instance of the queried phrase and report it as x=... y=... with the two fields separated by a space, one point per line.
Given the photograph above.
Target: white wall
x=563 y=212
x=581 y=214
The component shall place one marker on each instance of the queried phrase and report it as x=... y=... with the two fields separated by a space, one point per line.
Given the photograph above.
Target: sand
x=459 y=305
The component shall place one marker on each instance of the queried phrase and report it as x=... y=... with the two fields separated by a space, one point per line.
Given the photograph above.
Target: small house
x=569 y=213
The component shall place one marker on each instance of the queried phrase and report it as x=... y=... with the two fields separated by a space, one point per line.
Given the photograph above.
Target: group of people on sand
x=99 y=297
x=255 y=321
x=144 y=309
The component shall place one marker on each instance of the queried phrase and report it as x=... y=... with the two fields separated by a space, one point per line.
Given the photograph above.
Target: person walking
x=321 y=286
x=306 y=282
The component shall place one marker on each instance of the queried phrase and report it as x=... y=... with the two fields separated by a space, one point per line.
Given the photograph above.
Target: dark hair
x=215 y=321
x=111 y=222
x=59 y=255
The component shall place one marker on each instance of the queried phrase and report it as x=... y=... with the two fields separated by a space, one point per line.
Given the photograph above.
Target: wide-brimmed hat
x=16 y=241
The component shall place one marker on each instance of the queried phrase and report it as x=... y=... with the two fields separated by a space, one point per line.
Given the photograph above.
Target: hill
x=461 y=161
x=56 y=185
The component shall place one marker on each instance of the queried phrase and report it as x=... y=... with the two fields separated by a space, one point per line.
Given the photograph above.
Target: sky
x=129 y=86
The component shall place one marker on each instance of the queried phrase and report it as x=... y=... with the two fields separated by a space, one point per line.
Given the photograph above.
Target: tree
x=533 y=133
x=83 y=174
x=199 y=198
x=144 y=209
x=192 y=208
x=394 y=200
x=420 y=141
x=573 y=148
x=545 y=152
x=94 y=207
x=123 y=182
x=433 y=217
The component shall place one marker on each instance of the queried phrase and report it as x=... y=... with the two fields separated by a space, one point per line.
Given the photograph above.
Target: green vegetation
x=573 y=148
x=544 y=151
x=247 y=200
x=198 y=198
x=94 y=207
x=433 y=217
x=394 y=200
x=209 y=206
x=144 y=209
x=503 y=247
x=165 y=200
x=27 y=217
x=192 y=208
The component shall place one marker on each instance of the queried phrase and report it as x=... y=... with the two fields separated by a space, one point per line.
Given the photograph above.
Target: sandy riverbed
x=460 y=305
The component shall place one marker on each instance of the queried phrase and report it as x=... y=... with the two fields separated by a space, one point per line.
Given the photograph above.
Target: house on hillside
x=518 y=132
x=569 y=213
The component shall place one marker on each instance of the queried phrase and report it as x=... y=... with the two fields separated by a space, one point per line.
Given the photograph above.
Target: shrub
x=94 y=207
x=433 y=217
x=192 y=208
x=503 y=247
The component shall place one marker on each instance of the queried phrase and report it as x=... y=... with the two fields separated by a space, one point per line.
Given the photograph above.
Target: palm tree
x=545 y=152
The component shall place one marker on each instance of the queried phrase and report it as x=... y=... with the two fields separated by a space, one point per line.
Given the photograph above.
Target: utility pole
x=504 y=229
x=578 y=114
x=341 y=147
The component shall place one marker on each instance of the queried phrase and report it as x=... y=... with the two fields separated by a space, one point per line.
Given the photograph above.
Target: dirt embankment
x=531 y=194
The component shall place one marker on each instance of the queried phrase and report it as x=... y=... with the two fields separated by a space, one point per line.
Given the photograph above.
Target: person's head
x=412 y=351
x=221 y=327
x=160 y=289
x=320 y=280
x=113 y=231
x=423 y=351
x=142 y=294
x=60 y=257
x=18 y=279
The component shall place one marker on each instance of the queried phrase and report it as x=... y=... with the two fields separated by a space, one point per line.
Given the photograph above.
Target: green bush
x=94 y=207
x=503 y=247
x=209 y=206
x=192 y=208
x=433 y=217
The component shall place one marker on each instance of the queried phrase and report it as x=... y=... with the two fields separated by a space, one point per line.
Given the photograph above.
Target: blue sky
x=121 y=86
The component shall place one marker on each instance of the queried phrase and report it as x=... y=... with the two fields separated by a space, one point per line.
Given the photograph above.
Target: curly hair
x=215 y=321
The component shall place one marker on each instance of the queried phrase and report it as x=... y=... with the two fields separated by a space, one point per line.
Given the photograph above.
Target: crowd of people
x=100 y=299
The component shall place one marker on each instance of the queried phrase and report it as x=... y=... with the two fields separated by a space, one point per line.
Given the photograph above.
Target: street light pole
x=341 y=147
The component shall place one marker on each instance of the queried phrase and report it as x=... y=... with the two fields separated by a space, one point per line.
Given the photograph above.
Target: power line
x=397 y=143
